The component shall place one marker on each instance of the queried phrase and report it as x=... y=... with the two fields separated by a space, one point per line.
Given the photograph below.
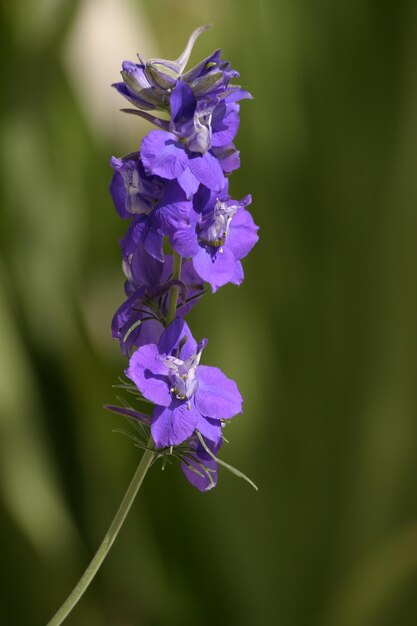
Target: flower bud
x=162 y=74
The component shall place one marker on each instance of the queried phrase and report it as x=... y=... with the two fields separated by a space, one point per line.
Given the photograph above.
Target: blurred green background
x=321 y=337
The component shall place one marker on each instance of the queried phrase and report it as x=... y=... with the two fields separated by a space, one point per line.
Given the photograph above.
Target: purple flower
x=203 y=123
x=133 y=192
x=140 y=319
x=188 y=396
x=164 y=155
x=198 y=129
x=158 y=207
x=221 y=232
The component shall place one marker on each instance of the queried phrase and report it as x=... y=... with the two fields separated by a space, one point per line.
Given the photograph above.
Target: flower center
x=199 y=139
x=215 y=227
x=183 y=373
x=142 y=195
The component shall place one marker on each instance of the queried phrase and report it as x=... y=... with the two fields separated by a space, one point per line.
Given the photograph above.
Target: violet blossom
x=197 y=127
x=220 y=233
x=187 y=396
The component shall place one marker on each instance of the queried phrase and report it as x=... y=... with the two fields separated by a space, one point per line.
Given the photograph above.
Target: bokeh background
x=321 y=337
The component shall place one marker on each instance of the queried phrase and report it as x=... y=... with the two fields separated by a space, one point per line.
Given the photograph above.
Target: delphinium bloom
x=185 y=153
x=156 y=207
x=185 y=235
x=219 y=234
x=187 y=396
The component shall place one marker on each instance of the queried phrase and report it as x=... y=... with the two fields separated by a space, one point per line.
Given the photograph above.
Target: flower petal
x=203 y=480
x=153 y=245
x=243 y=234
x=149 y=374
x=184 y=241
x=225 y=124
x=173 y=424
x=228 y=158
x=173 y=335
x=209 y=428
x=207 y=170
x=218 y=268
x=217 y=396
x=188 y=182
x=163 y=155
x=183 y=103
x=118 y=194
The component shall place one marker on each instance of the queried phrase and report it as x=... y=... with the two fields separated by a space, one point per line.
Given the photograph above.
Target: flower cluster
x=174 y=191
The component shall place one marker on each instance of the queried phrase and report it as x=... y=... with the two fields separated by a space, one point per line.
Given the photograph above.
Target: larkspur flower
x=132 y=190
x=220 y=233
x=157 y=207
x=197 y=129
x=188 y=396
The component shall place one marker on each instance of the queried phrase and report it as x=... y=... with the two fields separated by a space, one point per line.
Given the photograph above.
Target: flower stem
x=130 y=494
x=173 y=298
x=107 y=542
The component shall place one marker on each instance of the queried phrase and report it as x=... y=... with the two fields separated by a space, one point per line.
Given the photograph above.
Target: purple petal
x=184 y=241
x=207 y=170
x=149 y=374
x=145 y=269
x=133 y=98
x=118 y=194
x=173 y=335
x=239 y=275
x=202 y=68
x=217 y=269
x=243 y=234
x=210 y=428
x=225 y=124
x=188 y=182
x=205 y=199
x=149 y=332
x=173 y=424
x=135 y=234
x=163 y=155
x=173 y=210
x=153 y=244
x=228 y=157
x=217 y=396
x=182 y=102
x=237 y=93
x=201 y=480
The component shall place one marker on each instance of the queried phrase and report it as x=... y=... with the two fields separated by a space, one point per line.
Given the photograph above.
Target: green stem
x=173 y=298
x=130 y=494
x=107 y=542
